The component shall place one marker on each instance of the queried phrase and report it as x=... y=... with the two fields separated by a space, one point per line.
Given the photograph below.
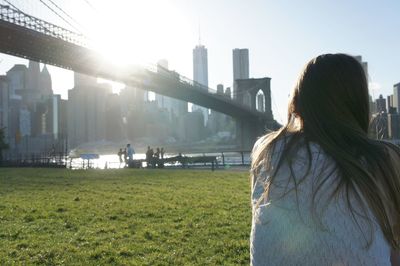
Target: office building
x=393 y=126
x=86 y=110
x=363 y=64
x=200 y=74
x=381 y=104
x=220 y=89
x=378 y=128
x=390 y=108
x=396 y=97
x=228 y=92
x=24 y=122
x=17 y=80
x=29 y=111
x=37 y=87
x=200 y=65
x=4 y=100
x=174 y=107
x=162 y=69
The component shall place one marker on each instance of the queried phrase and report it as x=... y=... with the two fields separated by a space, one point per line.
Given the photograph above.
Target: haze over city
x=154 y=132
x=280 y=36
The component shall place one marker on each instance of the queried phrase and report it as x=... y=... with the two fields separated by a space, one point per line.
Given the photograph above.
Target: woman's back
x=290 y=227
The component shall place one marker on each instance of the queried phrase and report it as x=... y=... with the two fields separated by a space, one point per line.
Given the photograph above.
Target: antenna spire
x=199 y=34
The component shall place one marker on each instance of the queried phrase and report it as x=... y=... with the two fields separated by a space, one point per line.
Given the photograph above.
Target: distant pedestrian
x=120 y=154
x=161 y=165
x=157 y=157
x=149 y=156
x=129 y=153
x=157 y=153
x=162 y=152
x=152 y=160
x=125 y=156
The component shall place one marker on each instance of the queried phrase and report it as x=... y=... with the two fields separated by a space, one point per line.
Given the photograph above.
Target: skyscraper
x=220 y=89
x=33 y=75
x=36 y=86
x=200 y=65
x=364 y=64
x=240 y=66
x=372 y=104
x=162 y=69
x=45 y=84
x=175 y=107
x=200 y=73
x=4 y=100
x=86 y=110
x=396 y=97
x=381 y=104
x=390 y=108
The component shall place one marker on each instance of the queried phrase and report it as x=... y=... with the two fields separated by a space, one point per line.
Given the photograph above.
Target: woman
x=323 y=193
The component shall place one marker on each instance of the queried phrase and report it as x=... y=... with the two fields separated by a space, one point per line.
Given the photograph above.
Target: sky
x=282 y=36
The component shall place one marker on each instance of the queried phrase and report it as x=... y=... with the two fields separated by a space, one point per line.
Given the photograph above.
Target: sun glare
x=135 y=32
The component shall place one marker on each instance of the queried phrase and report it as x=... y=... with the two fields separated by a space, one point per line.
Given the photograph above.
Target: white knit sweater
x=285 y=232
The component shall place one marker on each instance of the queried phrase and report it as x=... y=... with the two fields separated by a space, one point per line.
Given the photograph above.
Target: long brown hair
x=329 y=106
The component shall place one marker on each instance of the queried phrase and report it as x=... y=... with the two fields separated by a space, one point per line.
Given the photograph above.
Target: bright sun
x=135 y=32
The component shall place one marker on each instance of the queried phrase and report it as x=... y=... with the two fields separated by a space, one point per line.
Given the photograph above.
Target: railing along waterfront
x=225 y=159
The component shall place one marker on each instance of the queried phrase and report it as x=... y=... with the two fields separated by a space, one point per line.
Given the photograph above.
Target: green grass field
x=128 y=217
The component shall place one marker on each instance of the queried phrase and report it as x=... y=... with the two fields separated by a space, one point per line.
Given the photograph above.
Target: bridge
x=26 y=36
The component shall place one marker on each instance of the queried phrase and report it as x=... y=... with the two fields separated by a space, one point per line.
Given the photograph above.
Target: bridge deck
x=20 y=41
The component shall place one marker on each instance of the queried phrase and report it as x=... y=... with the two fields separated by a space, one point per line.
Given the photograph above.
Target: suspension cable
x=55 y=12
x=62 y=10
x=90 y=5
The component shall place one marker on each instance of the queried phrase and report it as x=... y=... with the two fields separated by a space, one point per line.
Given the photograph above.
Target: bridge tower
x=249 y=91
x=249 y=130
x=254 y=93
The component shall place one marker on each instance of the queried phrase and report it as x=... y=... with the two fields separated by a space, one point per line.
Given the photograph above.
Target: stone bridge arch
x=247 y=91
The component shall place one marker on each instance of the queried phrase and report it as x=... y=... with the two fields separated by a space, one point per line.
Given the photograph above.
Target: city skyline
x=37 y=121
x=281 y=38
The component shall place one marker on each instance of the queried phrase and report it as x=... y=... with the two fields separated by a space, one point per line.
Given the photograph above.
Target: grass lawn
x=126 y=216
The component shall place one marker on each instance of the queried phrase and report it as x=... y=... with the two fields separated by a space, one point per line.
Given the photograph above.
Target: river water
x=111 y=161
